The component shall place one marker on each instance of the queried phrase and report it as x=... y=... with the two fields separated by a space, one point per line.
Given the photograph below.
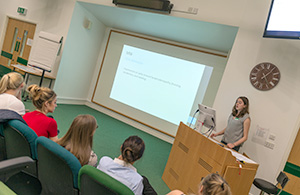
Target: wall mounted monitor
x=283 y=20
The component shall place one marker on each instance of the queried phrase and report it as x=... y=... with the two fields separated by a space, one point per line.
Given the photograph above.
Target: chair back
x=282 y=179
x=19 y=141
x=5 y=116
x=2 y=144
x=92 y=181
x=57 y=168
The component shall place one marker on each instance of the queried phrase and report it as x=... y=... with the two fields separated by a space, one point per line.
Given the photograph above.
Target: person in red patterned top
x=44 y=99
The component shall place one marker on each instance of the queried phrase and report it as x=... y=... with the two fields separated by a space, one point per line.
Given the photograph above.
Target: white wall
x=79 y=60
x=52 y=16
x=277 y=109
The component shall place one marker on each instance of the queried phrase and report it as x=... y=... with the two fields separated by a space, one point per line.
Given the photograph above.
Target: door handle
x=17 y=47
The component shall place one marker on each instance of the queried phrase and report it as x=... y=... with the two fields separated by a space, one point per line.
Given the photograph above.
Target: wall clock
x=264 y=76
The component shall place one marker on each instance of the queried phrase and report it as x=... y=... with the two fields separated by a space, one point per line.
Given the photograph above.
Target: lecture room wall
x=276 y=110
x=80 y=57
x=52 y=16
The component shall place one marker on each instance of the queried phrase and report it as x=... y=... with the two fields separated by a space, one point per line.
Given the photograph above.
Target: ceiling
x=212 y=36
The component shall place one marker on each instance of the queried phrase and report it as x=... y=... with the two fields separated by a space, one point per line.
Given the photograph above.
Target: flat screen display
x=283 y=20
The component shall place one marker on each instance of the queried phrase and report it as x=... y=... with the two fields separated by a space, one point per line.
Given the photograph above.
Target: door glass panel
x=14 y=40
x=23 y=43
x=13 y=44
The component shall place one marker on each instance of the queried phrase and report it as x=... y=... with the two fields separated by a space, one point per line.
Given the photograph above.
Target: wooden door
x=17 y=42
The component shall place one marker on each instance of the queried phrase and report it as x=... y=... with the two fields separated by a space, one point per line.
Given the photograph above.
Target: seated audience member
x=79 y=139
x=44 y=99
x=122 y=168
x=11 y=85
x=212 y=184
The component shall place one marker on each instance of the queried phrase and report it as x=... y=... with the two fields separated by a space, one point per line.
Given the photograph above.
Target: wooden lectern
x=193 y=156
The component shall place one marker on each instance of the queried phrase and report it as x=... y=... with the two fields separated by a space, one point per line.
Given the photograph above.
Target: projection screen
x=156 y=82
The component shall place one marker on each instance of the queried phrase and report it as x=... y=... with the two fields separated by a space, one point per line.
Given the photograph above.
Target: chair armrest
x=15 y=164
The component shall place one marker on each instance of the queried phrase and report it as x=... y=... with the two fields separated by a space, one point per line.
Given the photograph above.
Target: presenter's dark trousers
x=148 y=189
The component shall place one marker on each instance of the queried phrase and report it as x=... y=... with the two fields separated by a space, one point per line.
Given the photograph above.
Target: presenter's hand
x=230 y=145
x=213 y=135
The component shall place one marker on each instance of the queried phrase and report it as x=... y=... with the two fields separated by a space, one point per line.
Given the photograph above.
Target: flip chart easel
x=45 y=52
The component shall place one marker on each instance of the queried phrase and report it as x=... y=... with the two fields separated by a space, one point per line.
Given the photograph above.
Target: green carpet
x=109 y=137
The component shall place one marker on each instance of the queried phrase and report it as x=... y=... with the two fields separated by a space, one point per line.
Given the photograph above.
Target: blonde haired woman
x=11 y=85
x=44 y=99
x=79 y=139
x=212 y=184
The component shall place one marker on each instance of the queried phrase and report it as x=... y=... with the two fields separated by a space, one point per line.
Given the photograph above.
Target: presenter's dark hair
x=214 y=184
x=244 y=111
x=132 y=149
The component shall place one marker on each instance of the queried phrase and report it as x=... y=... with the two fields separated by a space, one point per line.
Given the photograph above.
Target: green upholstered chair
x=57 y=168
x=2 y=144
x=93 y=181
x=20 y=141
x=6 y=116
x=19 y=182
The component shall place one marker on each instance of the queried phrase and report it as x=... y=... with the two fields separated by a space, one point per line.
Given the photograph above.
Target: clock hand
x=264 y=75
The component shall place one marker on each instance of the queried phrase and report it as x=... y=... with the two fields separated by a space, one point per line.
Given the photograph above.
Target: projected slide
x=157 y=84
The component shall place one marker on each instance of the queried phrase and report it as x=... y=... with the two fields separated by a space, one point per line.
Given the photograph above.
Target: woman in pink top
x=44 y=99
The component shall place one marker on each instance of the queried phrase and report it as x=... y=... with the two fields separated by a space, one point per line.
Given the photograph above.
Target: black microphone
x=193 y=117
x=212 y=127
x=213 y=120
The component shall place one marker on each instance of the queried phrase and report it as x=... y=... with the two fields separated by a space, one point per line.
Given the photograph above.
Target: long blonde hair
x=40 y=95
x=12 y=80
x=79 y=138
x=214 y=184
